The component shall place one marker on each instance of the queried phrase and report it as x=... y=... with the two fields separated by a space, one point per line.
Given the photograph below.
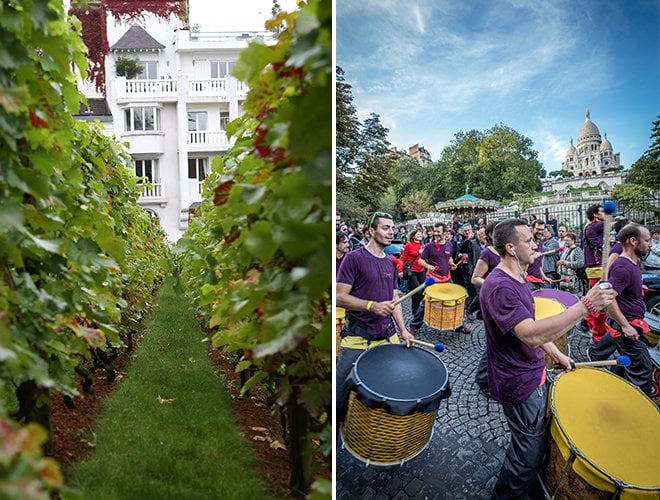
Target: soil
x=73 y=438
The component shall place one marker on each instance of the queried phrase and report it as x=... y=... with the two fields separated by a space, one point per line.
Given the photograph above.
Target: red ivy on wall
x=95 y=36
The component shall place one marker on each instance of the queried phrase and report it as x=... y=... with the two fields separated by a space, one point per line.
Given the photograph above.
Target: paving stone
x=414 y=487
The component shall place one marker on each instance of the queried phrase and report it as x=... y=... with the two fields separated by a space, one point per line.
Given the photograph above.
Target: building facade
x=173 y=113
x=593 y=154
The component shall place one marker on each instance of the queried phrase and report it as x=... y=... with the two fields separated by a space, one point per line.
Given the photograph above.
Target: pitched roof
x=137 y=38
x=94 y=107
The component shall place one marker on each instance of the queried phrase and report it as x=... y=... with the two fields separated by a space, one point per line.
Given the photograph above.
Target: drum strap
x=615 y=329
x=355 y=327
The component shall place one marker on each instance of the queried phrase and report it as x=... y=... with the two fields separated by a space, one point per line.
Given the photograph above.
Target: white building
x=593 y=154
x=173 y=114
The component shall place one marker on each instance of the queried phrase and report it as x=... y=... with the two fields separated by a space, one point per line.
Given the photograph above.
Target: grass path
x=187 y=448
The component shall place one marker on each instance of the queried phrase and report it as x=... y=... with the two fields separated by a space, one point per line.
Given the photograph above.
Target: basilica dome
x=588 y=129
x=605 y=145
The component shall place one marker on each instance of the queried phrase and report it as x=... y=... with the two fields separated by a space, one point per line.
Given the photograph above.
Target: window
x=224 y=119
x=196 y=120
x=148 y=70
x=142 y=119
x=148 y=169
x=197 y=168
x=220 y=69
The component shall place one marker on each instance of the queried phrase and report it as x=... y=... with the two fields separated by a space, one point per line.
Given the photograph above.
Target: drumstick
x=620 y=361
x=437 y=347
x=609 y=207
x=427 y=282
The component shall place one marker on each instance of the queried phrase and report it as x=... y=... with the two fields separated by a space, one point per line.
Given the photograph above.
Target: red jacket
x=411 y=253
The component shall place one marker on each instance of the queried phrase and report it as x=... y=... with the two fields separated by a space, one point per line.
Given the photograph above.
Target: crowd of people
x=500 y=264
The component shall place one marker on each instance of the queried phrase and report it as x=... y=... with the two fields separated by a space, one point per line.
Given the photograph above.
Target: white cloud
x=418 y=18
x=552 y=150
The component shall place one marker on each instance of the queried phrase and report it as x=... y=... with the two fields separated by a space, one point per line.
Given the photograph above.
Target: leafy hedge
x=256 y=257
x=78 y=258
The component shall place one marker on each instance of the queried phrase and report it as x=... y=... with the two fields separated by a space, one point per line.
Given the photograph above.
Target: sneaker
x=412 y=330
x=483 y=389
x=471 y=317
x=463 y=329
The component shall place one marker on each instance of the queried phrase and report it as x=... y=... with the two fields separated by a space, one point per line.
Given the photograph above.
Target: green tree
x=458 y=165
x=347 y=131
x=415 y=202
x=128 y=67
x=507 y=164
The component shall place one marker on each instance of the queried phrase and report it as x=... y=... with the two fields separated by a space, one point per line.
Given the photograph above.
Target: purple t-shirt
x=616 y=248
x=534 y=268
x=514 y=369
x=371 y=278
x=492 y=259
x=594 y=234
x=339 y=261
x=438 y=256
x=626 y=279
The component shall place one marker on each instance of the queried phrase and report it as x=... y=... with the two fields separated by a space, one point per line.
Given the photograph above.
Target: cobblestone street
x=469 y=439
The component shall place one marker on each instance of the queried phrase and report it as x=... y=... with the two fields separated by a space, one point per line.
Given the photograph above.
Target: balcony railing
x=146 y=88
x=152 y=190
x=205 y=137
x=211 y=87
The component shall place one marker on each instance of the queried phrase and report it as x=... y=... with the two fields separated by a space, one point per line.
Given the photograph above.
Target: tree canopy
x=494 y=164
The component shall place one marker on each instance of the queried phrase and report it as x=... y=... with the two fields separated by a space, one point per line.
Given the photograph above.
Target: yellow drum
x=340 y=315
x=594 y=273
x=444 y=306
x=653 y=336
x=395 y=395
x=604 y=438
x=544 y=308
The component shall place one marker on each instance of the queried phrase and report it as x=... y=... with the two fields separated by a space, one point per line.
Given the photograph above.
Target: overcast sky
x=234 y=15
x=432 y=68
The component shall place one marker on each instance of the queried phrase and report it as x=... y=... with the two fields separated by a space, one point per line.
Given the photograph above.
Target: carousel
x=468 y=207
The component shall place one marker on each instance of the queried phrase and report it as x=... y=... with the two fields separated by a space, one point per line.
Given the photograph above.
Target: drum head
x=341 y=312
x=544 y=308
x=653 y=322
x=610 y=424
x=400 y=379
x=445 y=291
x=567 y=299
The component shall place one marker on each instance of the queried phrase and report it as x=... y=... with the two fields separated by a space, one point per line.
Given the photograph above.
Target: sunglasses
x=377 y=214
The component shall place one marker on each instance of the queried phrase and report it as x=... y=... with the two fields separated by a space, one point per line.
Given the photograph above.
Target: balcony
x=146 y=90
x=214 y=87
x=206 y=140
x=153 y=193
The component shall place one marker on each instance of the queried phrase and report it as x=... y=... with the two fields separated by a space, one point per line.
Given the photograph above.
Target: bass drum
x=604 y=439
x=396 y=392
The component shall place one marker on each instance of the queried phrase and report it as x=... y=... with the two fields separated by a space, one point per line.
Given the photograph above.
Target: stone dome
x=588 y=129
x=605 y=145
x=571 y=151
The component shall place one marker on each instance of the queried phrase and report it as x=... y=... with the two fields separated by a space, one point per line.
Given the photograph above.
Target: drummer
x=515 y=343
x=367 y=286
x=625 y=316
x=437 y=261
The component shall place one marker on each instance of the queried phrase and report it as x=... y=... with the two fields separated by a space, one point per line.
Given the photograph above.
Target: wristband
x=369 y=304
x=588 y=304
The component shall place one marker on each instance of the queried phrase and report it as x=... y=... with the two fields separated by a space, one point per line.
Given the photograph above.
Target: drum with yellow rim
x=603 y=438
x=653 y=336
x=395 y=395
x=594 y=273
x=340 y=315
x=444 y=306
x=544 y=308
